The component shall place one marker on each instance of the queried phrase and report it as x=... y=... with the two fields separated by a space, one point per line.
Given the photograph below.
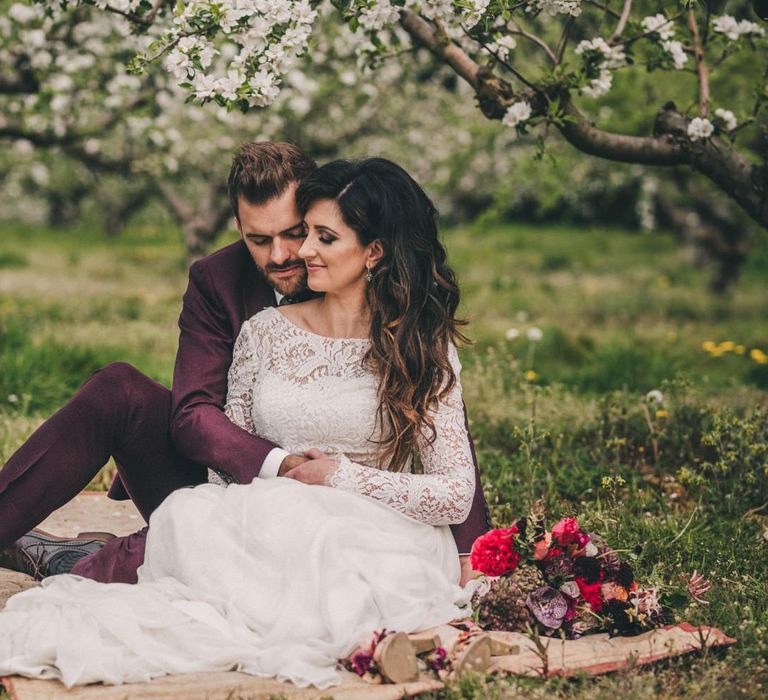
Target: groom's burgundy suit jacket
x=225 y=289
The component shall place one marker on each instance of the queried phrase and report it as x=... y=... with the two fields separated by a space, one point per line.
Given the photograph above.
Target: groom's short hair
x=262 y=170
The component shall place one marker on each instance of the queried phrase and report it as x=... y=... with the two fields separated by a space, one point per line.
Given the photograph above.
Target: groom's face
x=273 y=232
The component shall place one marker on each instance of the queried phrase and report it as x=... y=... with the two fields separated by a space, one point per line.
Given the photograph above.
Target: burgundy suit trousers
x=117 y=413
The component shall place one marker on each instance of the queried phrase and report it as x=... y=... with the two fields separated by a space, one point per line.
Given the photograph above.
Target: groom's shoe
x=40 y=554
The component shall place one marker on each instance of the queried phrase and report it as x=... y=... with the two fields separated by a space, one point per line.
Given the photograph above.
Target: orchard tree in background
x=538 y=66
x=81 y=126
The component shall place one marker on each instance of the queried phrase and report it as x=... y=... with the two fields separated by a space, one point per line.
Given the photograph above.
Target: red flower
x=591 y=592
x=494 y=552
x=567 y=531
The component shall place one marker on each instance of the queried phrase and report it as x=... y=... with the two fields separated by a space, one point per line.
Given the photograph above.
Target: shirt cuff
x=272 y=462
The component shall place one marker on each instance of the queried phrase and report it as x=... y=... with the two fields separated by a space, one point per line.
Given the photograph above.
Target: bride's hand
x=318 y=468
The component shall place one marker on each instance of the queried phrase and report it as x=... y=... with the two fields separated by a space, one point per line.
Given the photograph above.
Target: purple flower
x=361 y=662
x=548 y=606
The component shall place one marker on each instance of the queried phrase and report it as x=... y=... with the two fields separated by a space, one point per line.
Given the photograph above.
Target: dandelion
x=708 y=346
x=534 y=334
x=13 y=398
x=661 y=413
x=531 y=376
x=727 y=345
x=655 y=396
x=758 y=356
x=739 y=349
x=512 y=334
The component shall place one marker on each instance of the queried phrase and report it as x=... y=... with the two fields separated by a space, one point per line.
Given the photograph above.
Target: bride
x=283 y=577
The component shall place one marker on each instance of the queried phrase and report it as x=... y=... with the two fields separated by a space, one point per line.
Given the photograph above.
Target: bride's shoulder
x=263 y=324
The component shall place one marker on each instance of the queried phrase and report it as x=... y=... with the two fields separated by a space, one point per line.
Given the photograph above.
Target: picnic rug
x=593 y=654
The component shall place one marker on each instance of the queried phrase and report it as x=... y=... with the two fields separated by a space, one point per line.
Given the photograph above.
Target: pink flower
x=567 y=531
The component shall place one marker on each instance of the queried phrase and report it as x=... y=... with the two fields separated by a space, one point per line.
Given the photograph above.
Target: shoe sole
x=90 y=536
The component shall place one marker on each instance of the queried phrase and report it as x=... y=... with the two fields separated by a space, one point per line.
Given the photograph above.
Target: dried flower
x=698 y=586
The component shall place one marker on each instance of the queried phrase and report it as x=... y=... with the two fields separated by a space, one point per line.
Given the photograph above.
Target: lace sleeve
x=443 y=494
x=241 y=378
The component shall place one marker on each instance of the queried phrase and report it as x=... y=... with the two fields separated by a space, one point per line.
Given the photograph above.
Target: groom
x=162 y=440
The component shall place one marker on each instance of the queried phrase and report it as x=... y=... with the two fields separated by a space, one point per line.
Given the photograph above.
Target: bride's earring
x=368 y=275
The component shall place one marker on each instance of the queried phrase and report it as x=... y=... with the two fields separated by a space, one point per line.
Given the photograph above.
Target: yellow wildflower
x=531 y=376
x=708 y=346
x=739 y=349
x=727 y=345
x=758 y=356
x=662 y=413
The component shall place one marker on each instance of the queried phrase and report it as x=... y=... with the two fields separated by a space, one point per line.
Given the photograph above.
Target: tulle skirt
x=273 y=578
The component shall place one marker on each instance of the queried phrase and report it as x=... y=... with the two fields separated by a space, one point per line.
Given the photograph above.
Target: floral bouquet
x=562 y=579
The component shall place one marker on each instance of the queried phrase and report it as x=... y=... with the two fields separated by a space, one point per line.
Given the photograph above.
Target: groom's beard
x=287 y=284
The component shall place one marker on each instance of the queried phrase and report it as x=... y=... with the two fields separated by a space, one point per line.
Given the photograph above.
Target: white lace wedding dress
x=276 y=577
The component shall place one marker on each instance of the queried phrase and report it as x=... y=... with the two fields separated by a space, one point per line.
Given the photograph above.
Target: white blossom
x=512 y=334
x=381 y=14
x=659 y=24
x=24 y=14
x=700 y=129
x=555 y=7
x=517 y=113
x=474 y=11
x=728 y=118
x=502 y=45
x=606 y=58
x=676 y=52
x=734 y=29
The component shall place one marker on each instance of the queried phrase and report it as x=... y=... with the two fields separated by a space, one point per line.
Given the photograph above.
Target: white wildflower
x=516 y=114
x=228 y=87
x=655 y=396
x=700 y=129
x=534 y=334
x=728 y=118
x=512 y=334
x=13 y=398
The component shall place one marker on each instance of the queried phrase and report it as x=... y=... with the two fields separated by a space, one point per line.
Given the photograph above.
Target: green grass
x=620 y=313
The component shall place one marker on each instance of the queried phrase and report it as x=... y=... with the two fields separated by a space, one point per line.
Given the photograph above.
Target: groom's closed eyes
x=295 y=232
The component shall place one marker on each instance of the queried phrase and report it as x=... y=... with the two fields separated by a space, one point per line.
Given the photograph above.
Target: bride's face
x=335 y=258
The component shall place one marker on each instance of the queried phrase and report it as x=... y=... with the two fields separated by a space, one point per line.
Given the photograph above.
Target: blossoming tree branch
x=531 y=64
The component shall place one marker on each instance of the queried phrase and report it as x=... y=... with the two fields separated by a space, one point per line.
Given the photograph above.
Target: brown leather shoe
x=40 y=554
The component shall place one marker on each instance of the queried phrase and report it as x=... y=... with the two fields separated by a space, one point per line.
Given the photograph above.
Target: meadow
x=572 y=329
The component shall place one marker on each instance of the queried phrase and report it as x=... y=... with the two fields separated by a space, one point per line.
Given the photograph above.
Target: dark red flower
x=494 y=553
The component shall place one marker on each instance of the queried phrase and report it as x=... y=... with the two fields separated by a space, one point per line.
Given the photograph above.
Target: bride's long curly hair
x=412 y=294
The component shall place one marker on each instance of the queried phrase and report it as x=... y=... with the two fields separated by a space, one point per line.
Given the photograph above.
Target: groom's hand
x=289 y=463
x=316 y=469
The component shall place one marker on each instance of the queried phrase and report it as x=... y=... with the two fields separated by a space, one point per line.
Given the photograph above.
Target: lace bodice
x=301 y=390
